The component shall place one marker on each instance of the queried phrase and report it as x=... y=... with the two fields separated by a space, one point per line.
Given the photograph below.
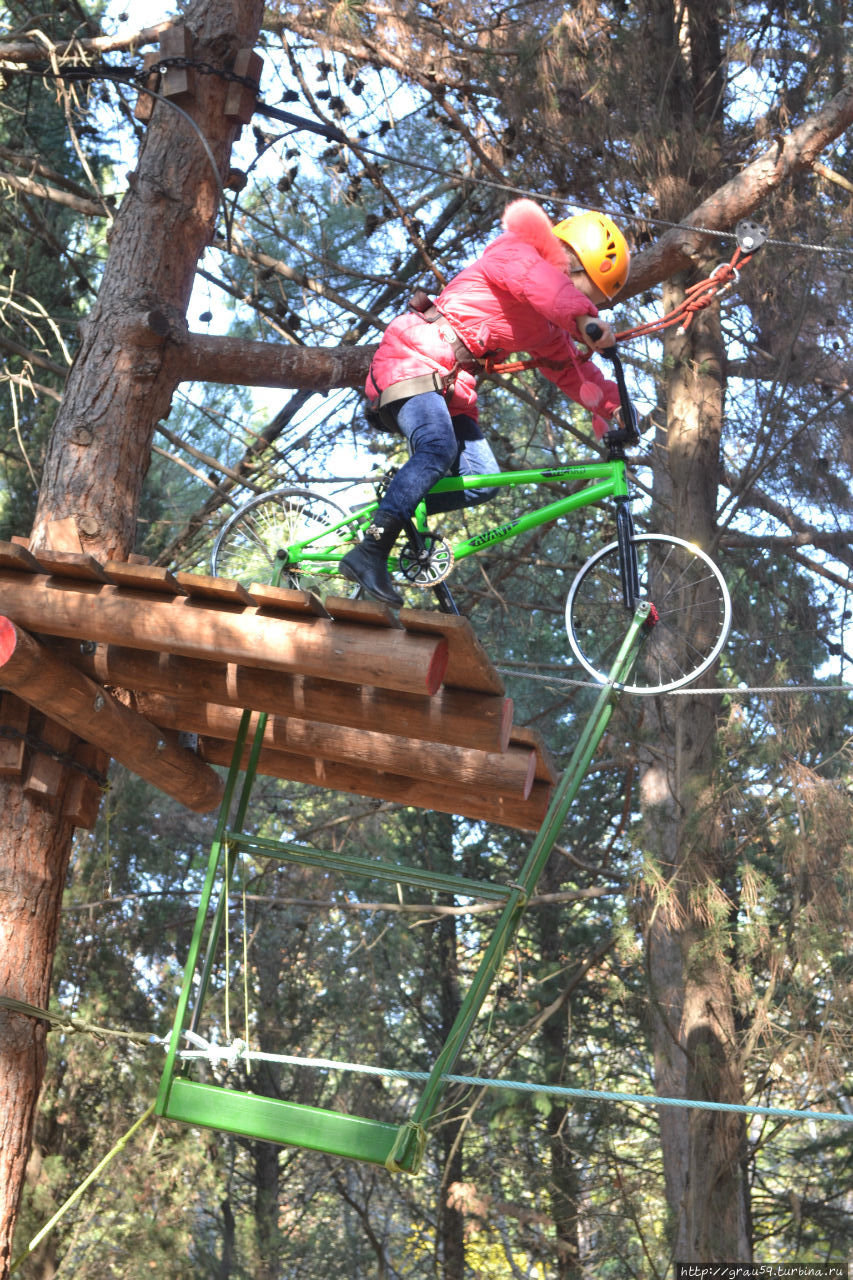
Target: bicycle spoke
x=268 y=525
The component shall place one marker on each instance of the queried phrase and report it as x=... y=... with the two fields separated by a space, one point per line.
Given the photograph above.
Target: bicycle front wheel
x=267 y=525
x=692 y=607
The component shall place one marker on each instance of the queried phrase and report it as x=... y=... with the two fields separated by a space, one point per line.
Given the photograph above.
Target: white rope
x=689 y=691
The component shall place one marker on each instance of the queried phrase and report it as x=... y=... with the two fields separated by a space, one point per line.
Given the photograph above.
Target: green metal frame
x=399 y=1148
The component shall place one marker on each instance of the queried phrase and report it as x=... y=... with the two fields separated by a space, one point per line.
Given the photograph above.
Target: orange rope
x=697 y=297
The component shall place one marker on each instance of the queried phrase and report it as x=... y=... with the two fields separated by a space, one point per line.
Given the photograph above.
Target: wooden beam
x=458 y=717
x=191 y=627
x=177 y=81
x=14 y=722
x=512 y=771
x=470 y=666
x=240 y=99
x=85 y=785
x=45 y=776
x=81 y=706
x=467 y=802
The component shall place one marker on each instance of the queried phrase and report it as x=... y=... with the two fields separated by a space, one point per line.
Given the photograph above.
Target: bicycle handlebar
x=630 y=430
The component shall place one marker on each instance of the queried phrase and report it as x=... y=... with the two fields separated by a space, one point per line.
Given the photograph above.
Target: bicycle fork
x=628 y=570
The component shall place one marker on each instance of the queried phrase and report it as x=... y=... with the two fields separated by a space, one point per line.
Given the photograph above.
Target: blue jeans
x=440 y=446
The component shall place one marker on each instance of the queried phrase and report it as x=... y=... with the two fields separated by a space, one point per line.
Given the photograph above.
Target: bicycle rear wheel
x=693 y=613
x=248 y=543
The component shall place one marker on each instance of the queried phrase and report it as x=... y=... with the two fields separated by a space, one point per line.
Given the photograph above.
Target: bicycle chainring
x=428 y=567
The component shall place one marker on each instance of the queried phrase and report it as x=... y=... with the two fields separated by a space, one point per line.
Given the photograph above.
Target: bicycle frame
x=607 y=479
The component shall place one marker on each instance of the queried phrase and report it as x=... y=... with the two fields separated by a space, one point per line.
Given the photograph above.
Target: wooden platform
x=130 y=658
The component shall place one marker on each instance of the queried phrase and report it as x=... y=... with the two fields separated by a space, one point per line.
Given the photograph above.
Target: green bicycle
x=302 y=535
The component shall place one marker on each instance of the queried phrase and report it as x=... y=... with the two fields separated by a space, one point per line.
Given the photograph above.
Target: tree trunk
x=450 y=1233
x=265 y=1158
x=118 y=388
x=692 y=1020
x=565 y=1177
x=32 y=874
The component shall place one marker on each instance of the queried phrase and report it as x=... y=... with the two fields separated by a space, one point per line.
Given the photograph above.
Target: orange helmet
x=601 y=247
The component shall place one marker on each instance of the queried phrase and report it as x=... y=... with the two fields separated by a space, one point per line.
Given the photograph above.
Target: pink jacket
x=516 y=297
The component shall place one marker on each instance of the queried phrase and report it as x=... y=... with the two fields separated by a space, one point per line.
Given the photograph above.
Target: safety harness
x=442 y=382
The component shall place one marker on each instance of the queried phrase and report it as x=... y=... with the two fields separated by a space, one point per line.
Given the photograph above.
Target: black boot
x=367 y=564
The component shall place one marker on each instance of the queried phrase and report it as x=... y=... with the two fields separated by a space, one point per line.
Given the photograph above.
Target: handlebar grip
x=595 y=331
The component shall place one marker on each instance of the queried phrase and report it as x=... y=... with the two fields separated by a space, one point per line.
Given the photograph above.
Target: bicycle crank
x=428 y=566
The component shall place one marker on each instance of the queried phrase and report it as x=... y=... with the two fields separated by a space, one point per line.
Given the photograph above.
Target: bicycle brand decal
x=579 y=472
x=493 y=535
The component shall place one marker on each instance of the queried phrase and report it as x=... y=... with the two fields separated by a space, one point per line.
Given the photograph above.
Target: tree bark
x=98 y=454
x=565 y=1188
x=692 y=1016
x=35 y=850
x=450 y=1231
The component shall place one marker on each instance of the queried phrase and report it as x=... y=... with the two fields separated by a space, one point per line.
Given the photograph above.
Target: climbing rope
x=696 y=298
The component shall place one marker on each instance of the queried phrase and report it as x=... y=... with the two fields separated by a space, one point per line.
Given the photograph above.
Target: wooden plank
x=45 y=775
x=144 y=108
x=71 y=564
x=83 y=792
x=287 y=1123
x=14 y=720
x=482 y=721
x=142 y=577
x=206 y=588
x=286 y=600
x=511 y=771
x=501 y=809
x=373 y=612
x=240 y=99
x=196 y=629
x=177 y=81
x=469 y=666
x=15 y=556
x=63 y=535
x=81 y=706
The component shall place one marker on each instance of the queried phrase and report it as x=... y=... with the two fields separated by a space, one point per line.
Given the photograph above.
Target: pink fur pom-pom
x=590 y=395
x=525 y=219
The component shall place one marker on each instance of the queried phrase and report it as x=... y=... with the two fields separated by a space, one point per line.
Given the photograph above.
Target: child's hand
x=596 y=333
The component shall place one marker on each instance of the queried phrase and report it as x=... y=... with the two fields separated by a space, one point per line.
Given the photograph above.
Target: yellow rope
x=75 y=1195
x=245 y=955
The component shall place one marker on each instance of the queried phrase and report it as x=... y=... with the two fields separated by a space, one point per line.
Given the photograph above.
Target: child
x=534 y=289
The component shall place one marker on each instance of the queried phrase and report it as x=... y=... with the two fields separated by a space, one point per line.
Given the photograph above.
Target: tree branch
x=676 y=249
x=34 y=51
